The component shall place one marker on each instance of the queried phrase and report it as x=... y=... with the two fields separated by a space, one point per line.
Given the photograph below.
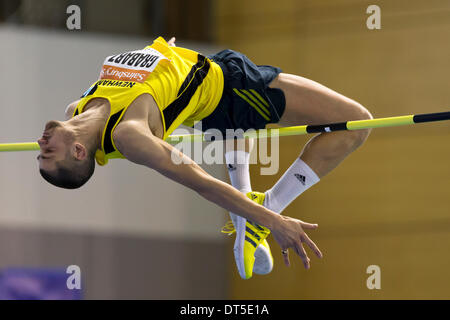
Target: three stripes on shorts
x=253 y=98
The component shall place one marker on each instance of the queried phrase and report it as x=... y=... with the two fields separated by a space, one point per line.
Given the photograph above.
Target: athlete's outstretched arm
x=136 y=142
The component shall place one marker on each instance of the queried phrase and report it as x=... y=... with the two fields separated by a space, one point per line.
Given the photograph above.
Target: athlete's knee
x=358 y=137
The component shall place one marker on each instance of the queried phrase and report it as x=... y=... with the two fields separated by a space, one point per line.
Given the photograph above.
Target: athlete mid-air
x=143 y=95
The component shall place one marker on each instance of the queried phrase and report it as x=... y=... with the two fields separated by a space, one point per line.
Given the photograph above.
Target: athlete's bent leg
x=308 y=102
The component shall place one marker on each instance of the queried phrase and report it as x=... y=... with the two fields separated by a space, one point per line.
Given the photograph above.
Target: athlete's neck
x=88 y=126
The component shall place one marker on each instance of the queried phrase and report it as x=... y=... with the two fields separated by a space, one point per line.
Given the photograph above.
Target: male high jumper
x=143 y=95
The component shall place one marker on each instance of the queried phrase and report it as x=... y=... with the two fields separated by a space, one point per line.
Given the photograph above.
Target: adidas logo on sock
x=231 y=167
x=300 y=178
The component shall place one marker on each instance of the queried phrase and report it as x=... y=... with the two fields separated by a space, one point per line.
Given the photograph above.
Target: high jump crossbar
x=286 y=131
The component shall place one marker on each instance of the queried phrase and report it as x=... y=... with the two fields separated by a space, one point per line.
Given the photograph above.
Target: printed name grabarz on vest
x=133 y=59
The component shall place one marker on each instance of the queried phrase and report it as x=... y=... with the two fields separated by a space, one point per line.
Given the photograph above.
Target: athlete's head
x=64 y=161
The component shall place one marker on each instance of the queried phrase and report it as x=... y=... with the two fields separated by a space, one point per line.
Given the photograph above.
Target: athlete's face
x=54 y=144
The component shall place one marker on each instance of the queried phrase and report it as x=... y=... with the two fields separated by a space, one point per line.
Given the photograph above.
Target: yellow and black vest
x=185 y=85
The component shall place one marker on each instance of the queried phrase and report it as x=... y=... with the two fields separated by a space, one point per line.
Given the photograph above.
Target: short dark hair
x=78 y=174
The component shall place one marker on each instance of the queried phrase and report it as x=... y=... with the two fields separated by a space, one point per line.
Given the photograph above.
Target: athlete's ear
x=80 y=151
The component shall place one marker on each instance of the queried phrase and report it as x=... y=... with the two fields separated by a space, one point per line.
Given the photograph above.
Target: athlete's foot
x=251 y=250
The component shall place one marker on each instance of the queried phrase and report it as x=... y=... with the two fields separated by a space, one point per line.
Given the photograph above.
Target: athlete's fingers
x=302 y=253
x=306 y=225
x=171 y=42
x=312 y=245
x=285 y=254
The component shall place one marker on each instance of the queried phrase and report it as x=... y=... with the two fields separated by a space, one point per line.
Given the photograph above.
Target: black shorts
x=247 y=102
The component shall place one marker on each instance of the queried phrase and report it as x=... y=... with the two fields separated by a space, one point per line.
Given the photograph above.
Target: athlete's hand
x=289 y=234
x=171 y=42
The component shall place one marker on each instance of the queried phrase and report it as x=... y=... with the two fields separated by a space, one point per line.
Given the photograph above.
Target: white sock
x=238 y=169
x=296 y=180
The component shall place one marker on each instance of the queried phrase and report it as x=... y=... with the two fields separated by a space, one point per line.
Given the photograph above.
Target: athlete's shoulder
x=70 y=109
